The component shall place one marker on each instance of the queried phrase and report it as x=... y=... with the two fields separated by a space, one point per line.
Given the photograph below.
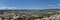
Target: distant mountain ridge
x=16 y=9
x=31 y=10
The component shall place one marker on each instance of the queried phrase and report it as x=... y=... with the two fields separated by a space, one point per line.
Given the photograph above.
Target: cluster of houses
x=53 y=17
x=13 y=16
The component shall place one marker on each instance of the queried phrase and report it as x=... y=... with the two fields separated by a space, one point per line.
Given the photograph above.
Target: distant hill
x=32 y=10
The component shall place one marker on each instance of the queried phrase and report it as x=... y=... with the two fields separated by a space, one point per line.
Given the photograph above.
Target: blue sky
x=30 y=4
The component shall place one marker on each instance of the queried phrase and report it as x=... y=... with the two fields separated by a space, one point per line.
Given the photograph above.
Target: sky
x=29 y=4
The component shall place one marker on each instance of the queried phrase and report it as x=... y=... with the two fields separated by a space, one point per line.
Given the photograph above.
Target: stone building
x=45 y=18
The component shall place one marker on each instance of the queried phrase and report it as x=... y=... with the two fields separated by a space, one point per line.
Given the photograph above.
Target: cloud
x=52 y=5
x=6 y=7
x=58 y=4
x=49 y=5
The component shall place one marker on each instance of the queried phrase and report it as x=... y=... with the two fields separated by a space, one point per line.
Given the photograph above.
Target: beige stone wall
x=0 y=18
